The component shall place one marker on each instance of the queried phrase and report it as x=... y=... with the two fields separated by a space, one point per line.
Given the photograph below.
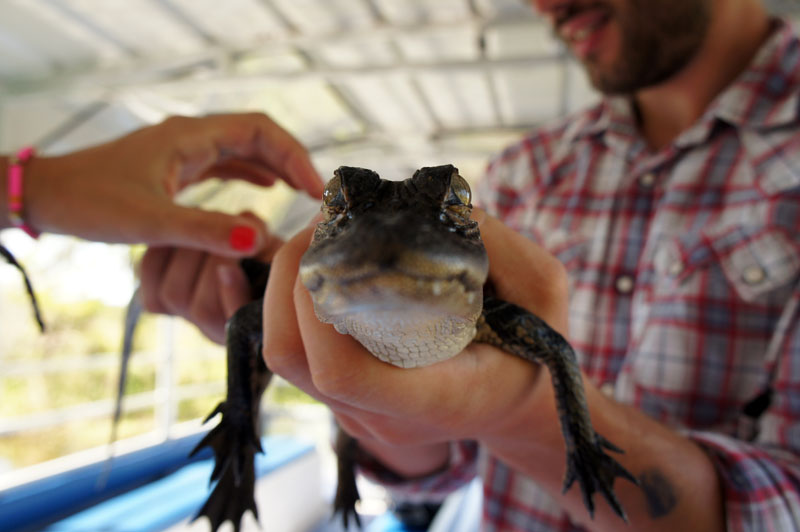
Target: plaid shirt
x=684 y=266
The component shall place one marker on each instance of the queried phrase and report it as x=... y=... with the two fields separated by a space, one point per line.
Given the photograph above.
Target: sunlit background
x=391 y=85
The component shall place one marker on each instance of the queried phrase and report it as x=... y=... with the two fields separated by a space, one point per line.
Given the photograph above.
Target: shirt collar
x=765 y=95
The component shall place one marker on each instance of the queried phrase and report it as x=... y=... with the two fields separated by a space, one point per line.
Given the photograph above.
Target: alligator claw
x=595 y=471
x=232 y=442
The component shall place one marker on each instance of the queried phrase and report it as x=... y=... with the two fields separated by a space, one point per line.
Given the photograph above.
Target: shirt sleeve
x=761 y=488
x=460 y=470
x=760 y=473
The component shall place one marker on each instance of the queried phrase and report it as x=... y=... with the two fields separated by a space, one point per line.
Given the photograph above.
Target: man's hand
x=203 y=288
x=405 y=417
x=472 y=395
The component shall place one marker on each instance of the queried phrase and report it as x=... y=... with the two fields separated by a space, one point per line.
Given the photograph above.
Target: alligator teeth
x=436 y=287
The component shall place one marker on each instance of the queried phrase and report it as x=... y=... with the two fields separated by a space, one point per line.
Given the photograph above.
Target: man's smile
x=583 y=30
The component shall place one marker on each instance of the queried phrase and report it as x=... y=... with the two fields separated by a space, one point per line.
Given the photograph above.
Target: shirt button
x=648 y=180
x=624 y=284
x=753 y=274
x=607 y=389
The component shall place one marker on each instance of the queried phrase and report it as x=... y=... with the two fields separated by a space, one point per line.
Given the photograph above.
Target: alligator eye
x=459 y=191
x=333 y=200
x=457 y=205
x=333 y=190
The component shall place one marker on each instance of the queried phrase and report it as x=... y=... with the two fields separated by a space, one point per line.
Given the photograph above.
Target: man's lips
x=581 y=29
x=577 y=25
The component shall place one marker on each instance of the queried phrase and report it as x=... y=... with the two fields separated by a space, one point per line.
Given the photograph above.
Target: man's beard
x=658 y=39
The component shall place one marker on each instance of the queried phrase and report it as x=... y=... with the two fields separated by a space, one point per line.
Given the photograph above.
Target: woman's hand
x=203 y=288
x=123 y=191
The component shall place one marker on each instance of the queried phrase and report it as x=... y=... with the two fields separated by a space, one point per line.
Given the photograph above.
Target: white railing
x=164 y=398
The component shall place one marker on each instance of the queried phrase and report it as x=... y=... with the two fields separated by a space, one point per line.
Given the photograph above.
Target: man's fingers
x=283 y=348
x=344 y=371
x=544 y=285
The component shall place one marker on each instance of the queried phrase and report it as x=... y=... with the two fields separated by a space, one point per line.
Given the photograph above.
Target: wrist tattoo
x=658 y=491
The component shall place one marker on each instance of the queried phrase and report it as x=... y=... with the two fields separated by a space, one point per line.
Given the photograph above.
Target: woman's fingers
x=234 y=289
x=151 y=270
x=216 y=139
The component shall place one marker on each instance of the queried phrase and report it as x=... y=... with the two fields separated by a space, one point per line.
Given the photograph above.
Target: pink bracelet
x=16 y=165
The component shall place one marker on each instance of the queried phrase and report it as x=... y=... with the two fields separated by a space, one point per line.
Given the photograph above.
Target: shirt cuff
x=460 y=470
x=761 y=486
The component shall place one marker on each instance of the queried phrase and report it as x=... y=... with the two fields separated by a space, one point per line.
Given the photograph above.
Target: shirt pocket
x=703 y=328
x=756 y=263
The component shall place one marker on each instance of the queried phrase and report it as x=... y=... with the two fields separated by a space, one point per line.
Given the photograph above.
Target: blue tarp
x=147 y=490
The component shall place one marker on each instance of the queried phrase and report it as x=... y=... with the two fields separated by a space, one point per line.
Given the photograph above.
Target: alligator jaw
x=402 y=320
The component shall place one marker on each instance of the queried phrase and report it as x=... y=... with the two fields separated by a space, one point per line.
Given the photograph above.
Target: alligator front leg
x=235 y=440
x=517 y=331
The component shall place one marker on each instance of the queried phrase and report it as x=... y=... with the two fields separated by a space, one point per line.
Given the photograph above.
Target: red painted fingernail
x=242 y=237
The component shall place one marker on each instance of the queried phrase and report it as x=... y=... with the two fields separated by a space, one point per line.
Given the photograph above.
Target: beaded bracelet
x=16 y=166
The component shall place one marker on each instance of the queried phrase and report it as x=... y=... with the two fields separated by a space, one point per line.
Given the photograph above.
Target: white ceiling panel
x=460 y=99
x=356 y=53
x=237 y=23
x=37 y=54
x=508 y=9
x=65 y=40
x=141 y=27
x=311 y=110
x=392 y=102
x=530 y=96
x=409 y=12
x=520 y=39
x=412 y=79
x=277 y=58
x=326 y=17
x=33 y=120
x=440 y=44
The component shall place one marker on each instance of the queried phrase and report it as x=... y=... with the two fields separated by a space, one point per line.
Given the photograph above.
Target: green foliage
x=37 y=446
x=80 y=353
x=196 y=408
x=282 y=393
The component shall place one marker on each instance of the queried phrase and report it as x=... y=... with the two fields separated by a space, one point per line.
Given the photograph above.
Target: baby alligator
x=401 y=267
